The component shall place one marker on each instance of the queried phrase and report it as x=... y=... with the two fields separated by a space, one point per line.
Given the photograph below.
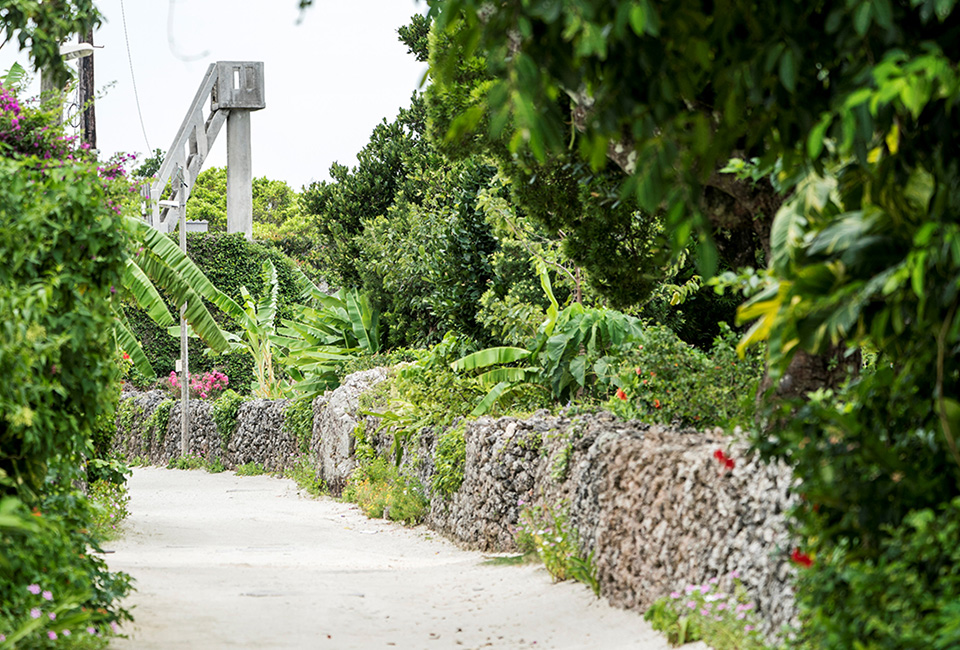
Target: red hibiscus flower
x=801 y=558
x=621 y=394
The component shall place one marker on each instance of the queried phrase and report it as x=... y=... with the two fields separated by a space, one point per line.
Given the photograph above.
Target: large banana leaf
x=512 y=375
x=267 y=306
x=364 y=320
x=490 y=357
x=142 y=290
x=170 y=268
x=127 y=342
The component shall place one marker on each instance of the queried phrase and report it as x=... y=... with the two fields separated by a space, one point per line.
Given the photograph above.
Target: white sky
x=328 y=80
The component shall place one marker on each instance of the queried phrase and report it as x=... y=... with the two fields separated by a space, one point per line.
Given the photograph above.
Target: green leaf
x=818 y=134
x=490 y=399
x=788 y=70
x=490 y=357
x=138 y=285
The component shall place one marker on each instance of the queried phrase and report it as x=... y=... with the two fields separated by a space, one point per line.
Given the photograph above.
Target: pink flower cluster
x=207 y=385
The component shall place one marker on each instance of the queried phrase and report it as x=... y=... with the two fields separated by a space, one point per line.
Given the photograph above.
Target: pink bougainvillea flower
x=621 y=394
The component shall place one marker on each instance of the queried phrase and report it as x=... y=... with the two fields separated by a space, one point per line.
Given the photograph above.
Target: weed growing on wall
x=225 y=412
x=298 y=421
x=155 y=426
x=725 y=621
x=448 y=461
x=382 y=491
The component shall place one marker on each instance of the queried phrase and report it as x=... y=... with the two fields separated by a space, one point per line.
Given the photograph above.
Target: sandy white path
x=223 y=561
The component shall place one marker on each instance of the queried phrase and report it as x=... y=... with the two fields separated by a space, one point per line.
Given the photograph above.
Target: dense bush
x=906 y=597
x=667 y=380
x=63 y=248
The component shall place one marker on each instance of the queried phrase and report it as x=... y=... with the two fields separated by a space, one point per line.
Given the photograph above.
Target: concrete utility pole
x=240 y=89
x=184 y=347
x=87 y=89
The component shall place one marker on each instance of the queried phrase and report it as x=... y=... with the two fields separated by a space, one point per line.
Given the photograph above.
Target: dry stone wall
x=651 y=504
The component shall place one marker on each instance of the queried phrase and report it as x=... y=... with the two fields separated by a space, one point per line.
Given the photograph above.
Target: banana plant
x=575 y=347
x=338 y=328
x=159 y=262
x=258 y=336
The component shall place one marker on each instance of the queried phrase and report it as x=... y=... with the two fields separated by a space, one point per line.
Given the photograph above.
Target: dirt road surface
x=223 y=561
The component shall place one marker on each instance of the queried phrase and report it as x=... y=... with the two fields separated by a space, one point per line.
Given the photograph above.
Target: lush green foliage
x=382 y=491
x=906 y=596
x=229 y=262
x=666 y=380
x=64 y=249
x=63 y=252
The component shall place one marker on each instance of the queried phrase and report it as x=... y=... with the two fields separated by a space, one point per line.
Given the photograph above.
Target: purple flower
x=674 y=594
x=52 y=635
x=47 y=595
x=691 y=604
x=34 y=589
x=52 y=616
x=35 y=612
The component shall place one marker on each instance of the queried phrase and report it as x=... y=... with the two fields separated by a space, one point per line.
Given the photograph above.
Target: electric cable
x=136 y=96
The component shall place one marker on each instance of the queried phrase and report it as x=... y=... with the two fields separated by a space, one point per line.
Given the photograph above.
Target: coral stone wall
x=652 y=505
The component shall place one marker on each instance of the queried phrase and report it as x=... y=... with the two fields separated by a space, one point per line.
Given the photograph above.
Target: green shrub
x=907 y=597
x=225 y=412
x=306 y=475
x=188 y=462
x=382 y=491
x=667 y=380
x=250 y=469
x=546 y=531
x=63 y=249
x=109 y=502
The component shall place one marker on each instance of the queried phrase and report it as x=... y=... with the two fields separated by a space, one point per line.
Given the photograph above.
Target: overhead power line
x=136 y=96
